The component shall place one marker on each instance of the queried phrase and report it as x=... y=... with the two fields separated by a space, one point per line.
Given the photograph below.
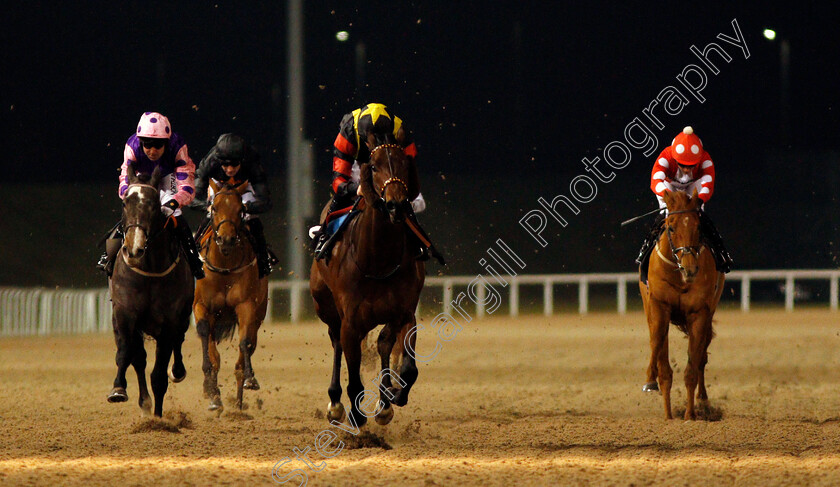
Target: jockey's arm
x=128 y=158
x=262 y=195
x=185 y=177
x=706 y=177
x=202 y=181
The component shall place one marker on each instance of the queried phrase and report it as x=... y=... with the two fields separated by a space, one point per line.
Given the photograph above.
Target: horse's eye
x=373 y=168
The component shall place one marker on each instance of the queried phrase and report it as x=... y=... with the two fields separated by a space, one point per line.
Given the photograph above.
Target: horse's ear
x=695 y=199
x=371 y=141
x=668 y=196
x=131 y=173
x=155 y=177
x=400 y=136
x=241 y=188
x=214 y=186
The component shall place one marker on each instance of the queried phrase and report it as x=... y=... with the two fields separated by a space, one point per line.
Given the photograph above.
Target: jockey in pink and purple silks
x=153 y=146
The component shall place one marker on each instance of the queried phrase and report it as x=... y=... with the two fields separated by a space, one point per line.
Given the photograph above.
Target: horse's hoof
x=650 y=387
x=335 y=412
x=251 y=384
x=146 y=406
x=172 y=376
x=385 y=416
x=216 y=404
x=118 y=394
x=400 y=397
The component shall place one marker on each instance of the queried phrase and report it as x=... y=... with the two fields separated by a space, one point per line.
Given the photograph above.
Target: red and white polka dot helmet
x=154 y=126
x=687 y=148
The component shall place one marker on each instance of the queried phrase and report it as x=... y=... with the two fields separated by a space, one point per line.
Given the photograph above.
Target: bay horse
x=684 y=289
x=371 y=277
x=231 y=294
x=151 y=290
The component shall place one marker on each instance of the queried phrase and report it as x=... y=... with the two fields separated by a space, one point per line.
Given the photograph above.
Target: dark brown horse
x=371 y=277
x=151 y=291
x=684 y=289
x=231 y=294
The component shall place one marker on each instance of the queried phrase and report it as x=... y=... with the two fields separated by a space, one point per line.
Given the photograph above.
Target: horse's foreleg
x=178 y=372
x=335 y=410
x=245 y=316
x=408 y=367
x=160 y=381
x=209 y=358
x=122 y=337
x=139 y=363
x=351 y=344
x=696 y=350
x=702 y=397
x=385 y=344
x=658 y=321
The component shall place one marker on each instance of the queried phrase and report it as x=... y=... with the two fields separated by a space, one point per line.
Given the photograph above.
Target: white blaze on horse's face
x=135 y=238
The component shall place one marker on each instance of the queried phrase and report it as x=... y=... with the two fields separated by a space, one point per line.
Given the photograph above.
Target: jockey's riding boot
x=255 y=229
x=182 y=229
x=113 y=242
x=651 y=239
x=723 y=261
x=321 y=236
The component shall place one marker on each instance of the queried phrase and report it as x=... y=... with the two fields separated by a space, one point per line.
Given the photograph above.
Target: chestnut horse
x=684 y=289
x=371 y=277
x=151 y=291
x=231 y=294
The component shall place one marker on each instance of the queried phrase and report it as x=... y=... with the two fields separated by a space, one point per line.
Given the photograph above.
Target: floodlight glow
x=342 y=35
x=769 y=34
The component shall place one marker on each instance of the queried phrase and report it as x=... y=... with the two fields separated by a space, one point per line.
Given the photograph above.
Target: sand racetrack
x=533 y=401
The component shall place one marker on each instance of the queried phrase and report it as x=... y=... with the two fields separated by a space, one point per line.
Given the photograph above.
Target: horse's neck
x=162 y=251
x=381 y=243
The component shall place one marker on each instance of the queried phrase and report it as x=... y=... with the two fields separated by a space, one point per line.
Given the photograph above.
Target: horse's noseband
x=380 y=203
x=693 y=250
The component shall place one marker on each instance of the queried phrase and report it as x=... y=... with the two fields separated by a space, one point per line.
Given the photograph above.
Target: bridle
x=677 y=252
x=381 y=194
x=218 y=240
x=149 y=238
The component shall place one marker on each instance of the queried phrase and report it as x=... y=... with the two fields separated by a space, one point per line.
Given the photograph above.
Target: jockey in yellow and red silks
x=686 y=166
x=351 y=149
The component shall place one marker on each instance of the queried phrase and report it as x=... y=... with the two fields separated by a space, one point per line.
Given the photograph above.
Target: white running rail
x=38 y=311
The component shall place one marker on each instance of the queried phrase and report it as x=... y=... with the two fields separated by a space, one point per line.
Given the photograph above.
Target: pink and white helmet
x=154 y=126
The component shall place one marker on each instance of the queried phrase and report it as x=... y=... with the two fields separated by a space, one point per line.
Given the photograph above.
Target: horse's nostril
x=391 y=206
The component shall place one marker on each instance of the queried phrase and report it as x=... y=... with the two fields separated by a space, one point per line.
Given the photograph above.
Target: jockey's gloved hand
x=419 y=204
x=169 y=208
x=246 y=207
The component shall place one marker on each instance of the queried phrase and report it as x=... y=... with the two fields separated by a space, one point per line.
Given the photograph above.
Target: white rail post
x=447 y=296
x=269 y=315
x=833 y=298
x=548 y=297
x=789 y=292
x=514 y=297
x=481 y=297
x=621 y=291
x=745 y=293
x=583 y=296
x=294 y=301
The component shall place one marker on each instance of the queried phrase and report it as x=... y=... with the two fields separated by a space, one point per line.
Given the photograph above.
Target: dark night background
x=504 y=98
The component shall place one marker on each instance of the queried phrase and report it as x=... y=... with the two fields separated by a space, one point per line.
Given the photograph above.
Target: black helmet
x=230 y=147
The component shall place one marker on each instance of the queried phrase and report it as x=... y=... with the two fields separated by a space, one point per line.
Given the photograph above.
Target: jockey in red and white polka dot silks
x=683 y=166
x=177 y=169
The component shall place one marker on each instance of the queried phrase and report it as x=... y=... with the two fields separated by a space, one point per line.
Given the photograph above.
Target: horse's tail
x=225 y=326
